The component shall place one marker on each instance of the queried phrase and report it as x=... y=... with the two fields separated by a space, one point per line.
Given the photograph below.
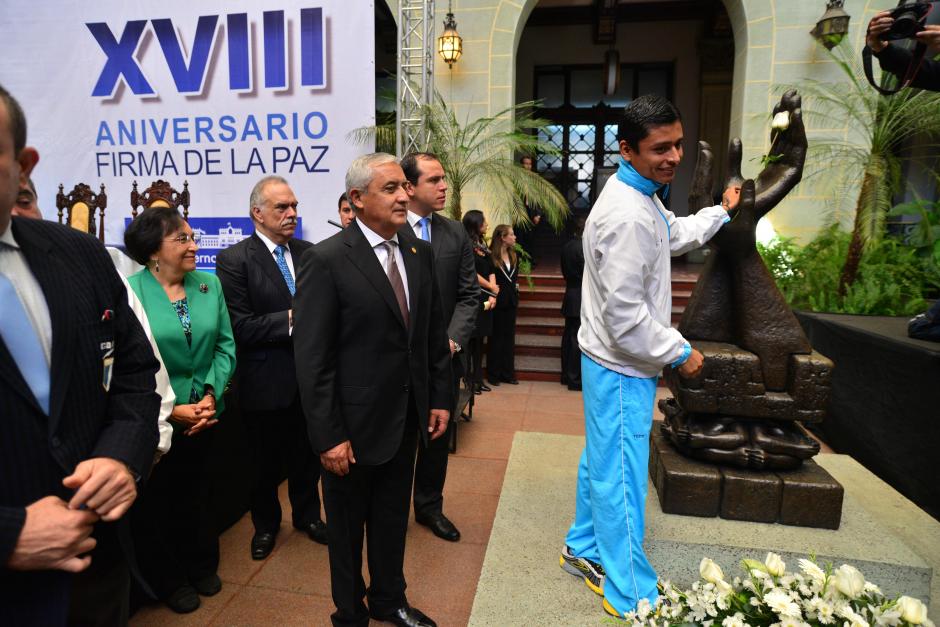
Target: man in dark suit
x=258 y=279
x=457 y=282
x=572 y=268
x=76 y=396
x=373 y=367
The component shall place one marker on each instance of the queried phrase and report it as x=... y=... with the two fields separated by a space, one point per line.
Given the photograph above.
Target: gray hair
x=361 y=170
x=256 y=197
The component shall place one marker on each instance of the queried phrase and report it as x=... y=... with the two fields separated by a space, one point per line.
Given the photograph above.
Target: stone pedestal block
x=807 y=497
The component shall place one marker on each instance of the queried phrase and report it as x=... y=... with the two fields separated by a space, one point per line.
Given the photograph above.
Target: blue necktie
x=22 y=341
x=425 y=223
x=282 y=266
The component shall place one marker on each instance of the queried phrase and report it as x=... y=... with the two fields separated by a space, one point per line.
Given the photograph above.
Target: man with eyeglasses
x=258 y=278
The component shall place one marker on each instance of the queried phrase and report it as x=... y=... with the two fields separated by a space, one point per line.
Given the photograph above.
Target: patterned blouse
x=182 y=310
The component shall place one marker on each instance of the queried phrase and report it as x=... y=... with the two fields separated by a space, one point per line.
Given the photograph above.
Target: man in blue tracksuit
x=626 y=340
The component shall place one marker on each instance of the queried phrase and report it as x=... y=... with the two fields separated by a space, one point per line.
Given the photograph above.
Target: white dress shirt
x=13 y=265
x=414 y=218
x=626 y=291
x=376 y=241
x=271 y=246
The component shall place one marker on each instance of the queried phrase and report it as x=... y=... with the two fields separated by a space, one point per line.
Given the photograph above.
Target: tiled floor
x=292 y=586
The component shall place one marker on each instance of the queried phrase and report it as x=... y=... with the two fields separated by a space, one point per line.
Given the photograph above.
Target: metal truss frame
x=415 y=80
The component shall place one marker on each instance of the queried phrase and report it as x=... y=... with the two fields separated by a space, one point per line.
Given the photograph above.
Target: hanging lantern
x=611 y=72
x=450 y=43
x=833 y=26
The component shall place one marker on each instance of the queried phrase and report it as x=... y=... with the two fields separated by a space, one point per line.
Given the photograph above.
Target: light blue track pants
x=611 y=499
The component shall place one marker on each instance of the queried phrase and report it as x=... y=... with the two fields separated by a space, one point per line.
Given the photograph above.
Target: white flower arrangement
x=769 y=596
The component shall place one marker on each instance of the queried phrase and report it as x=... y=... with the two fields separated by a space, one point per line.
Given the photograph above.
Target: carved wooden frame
x=83 y=193
x=160 y=190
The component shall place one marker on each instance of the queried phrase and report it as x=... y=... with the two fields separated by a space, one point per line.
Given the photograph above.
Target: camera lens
x=906 y=25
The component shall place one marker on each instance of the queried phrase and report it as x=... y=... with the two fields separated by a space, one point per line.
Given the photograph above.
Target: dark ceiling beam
x=632 y=12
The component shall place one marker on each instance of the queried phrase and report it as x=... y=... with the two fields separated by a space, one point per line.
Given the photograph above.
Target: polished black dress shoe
x=315 y=530
x=512 y=381
x=477 y=390
x=207 y=586
x=406 y=616
x=494 y=383
x=440 y=525
x=484 y=387
x=261 y=545
x=183 y=600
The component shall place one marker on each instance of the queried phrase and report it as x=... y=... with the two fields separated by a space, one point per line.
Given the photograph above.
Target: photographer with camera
x=887 y=37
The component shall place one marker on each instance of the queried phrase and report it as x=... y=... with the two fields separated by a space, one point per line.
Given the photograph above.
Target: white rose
x=775 y=565
x=912 y=610
x=710 y=571
x=849 y=581
x=781 y=121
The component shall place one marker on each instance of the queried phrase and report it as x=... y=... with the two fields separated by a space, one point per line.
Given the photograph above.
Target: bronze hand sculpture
x=760 y=372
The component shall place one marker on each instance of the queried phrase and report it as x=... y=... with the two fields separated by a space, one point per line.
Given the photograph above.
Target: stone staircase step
x=543 y=308
x=550 y=293
x=538 y=345
x=538 y=368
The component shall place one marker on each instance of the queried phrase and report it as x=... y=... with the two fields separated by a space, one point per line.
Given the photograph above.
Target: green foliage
x=525 y=265
x=869 y=157
x=481 y=154
x=925 y=236
x=893 y=279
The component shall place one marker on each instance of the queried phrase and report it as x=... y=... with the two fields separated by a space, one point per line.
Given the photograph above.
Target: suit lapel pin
x=203 y=288
x=107 y=315
x=414 y=250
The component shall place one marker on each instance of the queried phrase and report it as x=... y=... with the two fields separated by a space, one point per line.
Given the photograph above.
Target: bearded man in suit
x=373 y=365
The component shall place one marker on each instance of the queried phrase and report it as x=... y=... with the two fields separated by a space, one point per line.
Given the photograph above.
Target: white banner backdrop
x=217 y=94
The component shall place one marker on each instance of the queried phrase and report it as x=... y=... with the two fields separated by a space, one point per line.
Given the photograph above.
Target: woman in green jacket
x=178 y=550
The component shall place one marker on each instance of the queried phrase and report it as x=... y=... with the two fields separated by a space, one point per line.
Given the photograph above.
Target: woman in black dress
x=500 y=361
x=475 y=224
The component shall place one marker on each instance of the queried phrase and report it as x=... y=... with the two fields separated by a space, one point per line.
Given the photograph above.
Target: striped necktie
x=394 y=277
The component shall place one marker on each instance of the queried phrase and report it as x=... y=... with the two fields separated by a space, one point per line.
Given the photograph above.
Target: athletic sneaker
x=610 y=609
x=589 y=570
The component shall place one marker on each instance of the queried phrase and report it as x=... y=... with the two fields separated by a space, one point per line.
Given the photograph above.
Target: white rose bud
x=849 y=581
x=710 y=571
x=775 y=565
x=912 y=610
x=781 y=121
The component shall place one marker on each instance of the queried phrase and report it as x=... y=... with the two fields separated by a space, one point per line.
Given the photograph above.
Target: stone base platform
x=893 y=542
x=807 y=497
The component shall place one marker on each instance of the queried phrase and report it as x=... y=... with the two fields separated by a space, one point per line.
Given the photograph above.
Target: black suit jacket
x=896 y=60
x=37 y=451
x=258 y=301
x=572 y=268
x=358 y=366
x=456 y=276
x=508 y=282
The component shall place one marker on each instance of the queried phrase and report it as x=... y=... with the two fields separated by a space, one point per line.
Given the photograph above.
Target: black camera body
x=910 y=17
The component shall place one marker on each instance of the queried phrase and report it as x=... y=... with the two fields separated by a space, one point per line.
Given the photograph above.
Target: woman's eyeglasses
x=183 y=238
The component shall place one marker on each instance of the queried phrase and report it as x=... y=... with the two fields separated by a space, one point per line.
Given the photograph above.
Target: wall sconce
x=450 y=43
x=833 y=26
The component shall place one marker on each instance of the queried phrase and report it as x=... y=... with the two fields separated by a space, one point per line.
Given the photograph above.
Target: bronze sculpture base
x=805 y=497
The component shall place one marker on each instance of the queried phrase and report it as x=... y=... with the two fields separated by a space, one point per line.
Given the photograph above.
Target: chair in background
x=79 y=206
x=160 y=194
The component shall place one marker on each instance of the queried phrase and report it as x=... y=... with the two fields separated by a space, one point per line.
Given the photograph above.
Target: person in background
x=177 y=546
x=572 y=268
x=457 y=283
x=895 y=57
x=501 y=358
x=474 y=223
x=258 y=277
x=77 y=408
x=26 y=201
x=526 y=232
x=346 y=214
